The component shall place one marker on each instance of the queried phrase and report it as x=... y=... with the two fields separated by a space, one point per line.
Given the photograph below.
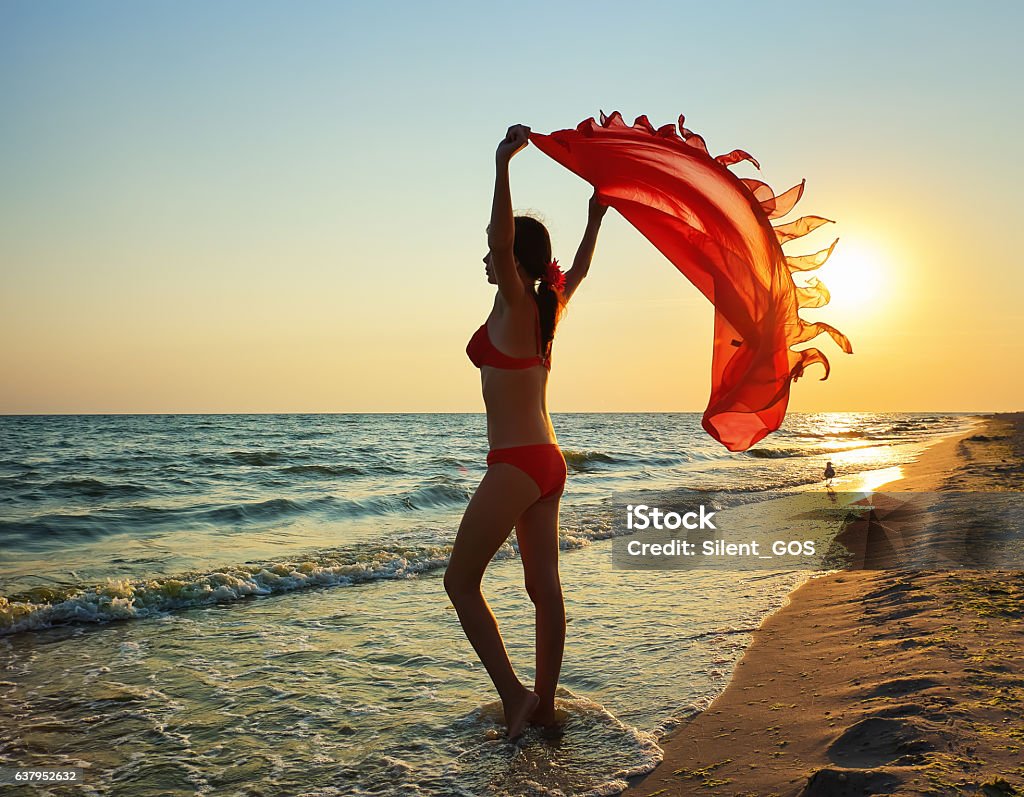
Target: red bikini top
x=483 y=352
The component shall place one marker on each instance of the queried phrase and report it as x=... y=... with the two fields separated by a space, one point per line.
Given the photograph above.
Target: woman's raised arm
x=581 y=264
x=501 y=232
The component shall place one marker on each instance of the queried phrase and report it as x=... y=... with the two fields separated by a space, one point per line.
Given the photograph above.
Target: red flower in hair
x=554 y=277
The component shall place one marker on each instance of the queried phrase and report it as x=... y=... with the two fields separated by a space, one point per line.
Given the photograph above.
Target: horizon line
x=480 y=412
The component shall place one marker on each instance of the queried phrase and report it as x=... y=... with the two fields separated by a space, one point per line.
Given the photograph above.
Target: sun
x=855 y=275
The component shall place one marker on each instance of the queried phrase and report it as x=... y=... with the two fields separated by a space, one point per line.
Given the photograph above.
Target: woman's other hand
x=517 y=137
x=596 y=209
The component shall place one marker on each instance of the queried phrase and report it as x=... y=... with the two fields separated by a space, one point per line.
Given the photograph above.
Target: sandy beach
x=877 y=681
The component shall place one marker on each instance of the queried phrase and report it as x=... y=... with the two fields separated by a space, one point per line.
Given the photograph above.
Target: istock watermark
x=818 y=529
x=642 y=517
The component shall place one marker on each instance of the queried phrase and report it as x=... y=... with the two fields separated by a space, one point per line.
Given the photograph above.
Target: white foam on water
x=592 y=755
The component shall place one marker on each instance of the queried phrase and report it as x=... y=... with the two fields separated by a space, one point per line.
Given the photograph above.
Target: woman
x=526 y=471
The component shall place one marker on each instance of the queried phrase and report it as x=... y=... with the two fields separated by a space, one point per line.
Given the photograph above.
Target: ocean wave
x=267 y=459
x=786 y=453
x=436 y=493
x=258 y=510
x=16 y=463
x=125 y=599
x=324 y=470
x=258 y=458
x=444 y=493
x=859 y=434
x=115 y=520
x=586 y=460
x=254 y=458
x=51 y=525
x=448 y=462
x=92 y=488
x=439 y=494
x=776 y=453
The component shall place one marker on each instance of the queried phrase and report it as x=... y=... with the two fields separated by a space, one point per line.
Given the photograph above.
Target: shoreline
x=876 y=681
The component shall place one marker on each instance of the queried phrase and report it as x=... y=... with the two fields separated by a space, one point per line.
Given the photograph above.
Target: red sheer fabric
x=714 y=227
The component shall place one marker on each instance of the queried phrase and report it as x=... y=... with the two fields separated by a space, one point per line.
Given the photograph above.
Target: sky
x=278 y=207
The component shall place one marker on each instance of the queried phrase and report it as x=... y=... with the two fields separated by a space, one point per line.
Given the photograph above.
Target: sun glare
x=855 y=275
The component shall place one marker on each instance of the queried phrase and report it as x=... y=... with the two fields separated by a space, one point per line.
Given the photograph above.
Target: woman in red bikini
x=525 y=468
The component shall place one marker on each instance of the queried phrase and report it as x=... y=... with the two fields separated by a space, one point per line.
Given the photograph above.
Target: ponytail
x=550 y=306
x=532 y=248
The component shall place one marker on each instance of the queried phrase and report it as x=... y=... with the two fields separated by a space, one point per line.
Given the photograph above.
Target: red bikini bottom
x=542 y=462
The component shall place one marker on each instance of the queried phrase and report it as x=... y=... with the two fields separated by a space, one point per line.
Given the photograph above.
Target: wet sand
x=877 y=681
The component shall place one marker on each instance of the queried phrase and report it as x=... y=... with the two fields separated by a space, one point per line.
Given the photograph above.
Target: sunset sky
x=276 y=207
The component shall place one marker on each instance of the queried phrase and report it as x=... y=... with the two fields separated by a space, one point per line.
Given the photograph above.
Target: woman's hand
x=596 y=209
x=517 y=137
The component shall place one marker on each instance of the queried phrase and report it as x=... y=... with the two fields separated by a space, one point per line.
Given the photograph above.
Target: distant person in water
x=830 y=474
x=525 y=468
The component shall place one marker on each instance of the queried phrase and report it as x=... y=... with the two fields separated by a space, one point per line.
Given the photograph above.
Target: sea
x=254 y=604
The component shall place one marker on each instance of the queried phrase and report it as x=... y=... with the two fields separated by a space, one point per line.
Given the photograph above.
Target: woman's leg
x=503 y=494
x=537 y=533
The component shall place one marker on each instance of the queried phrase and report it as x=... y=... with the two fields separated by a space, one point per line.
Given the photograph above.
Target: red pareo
x=714 y=227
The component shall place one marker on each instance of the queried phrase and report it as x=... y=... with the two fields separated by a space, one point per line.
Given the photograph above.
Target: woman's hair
x=532 y=248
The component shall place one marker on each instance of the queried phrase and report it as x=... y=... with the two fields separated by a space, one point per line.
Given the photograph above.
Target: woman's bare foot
x=518 y=713
x=546 y=716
